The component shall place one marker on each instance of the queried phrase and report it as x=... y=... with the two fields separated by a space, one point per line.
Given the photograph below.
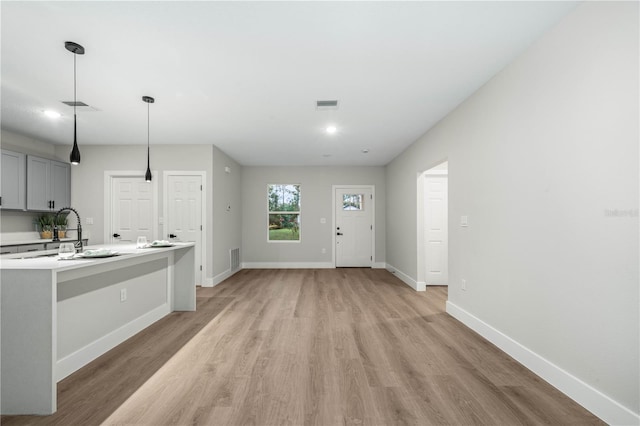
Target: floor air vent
x=234 y=257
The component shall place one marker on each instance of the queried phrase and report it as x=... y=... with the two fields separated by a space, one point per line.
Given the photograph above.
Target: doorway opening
x=433 y=229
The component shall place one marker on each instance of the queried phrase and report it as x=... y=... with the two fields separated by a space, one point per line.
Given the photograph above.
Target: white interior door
x=354 y=227
x=436 y=229
x=132 y=209
x=184 y=210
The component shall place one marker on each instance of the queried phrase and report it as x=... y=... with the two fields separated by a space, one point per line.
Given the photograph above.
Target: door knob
x=173 y=236
x=339 y=233
x=116 y=235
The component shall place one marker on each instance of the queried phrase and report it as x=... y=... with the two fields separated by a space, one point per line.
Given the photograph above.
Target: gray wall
x=536 y=159
x=227 y=225
x=27 y=145
x=316 y=202
x=87 y=188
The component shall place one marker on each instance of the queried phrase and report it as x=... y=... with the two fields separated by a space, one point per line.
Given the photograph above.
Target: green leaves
x=284 y=198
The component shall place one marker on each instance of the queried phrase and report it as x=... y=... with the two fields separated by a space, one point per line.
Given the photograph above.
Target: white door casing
x=184 y=213
x=353 y=231
x=131 y=207
x=436 y=229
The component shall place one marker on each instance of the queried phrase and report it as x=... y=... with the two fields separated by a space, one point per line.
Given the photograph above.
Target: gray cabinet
x=25 y=248
x=13 y=182
x=60 y=184
x=36 y=246
x=48 y=184
x=8 y=249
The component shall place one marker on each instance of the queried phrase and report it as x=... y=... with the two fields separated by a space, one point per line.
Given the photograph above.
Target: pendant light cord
x=148 y=150
x=74 y=84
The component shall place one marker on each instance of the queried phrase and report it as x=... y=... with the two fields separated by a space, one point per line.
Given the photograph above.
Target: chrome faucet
x=78 y=244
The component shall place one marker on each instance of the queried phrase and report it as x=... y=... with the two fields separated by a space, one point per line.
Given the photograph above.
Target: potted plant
x=45 y=225
x=62 y=222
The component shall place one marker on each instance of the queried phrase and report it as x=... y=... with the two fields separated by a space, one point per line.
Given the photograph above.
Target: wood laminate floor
x=309 y=347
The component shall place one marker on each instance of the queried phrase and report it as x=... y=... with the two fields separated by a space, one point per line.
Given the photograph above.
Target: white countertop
x=126 y=251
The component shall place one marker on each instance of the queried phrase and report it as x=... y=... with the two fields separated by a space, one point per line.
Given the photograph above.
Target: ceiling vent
x=325 y=105
x=80 y=106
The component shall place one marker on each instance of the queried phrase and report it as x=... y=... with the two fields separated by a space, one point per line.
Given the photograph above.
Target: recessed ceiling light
x=326 y=155
x=365 y=151
x=331 y=129
x=52 y=114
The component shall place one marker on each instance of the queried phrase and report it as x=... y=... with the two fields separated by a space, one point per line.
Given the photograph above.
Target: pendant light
x=148 y=100
x=76 y=49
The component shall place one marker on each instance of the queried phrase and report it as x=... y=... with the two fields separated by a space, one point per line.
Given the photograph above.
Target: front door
x=132 y=209
x=354 y=226
x=184 y=221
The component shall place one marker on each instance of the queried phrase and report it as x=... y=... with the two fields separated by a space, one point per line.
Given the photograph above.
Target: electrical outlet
x=463 y=284
x=123 y=294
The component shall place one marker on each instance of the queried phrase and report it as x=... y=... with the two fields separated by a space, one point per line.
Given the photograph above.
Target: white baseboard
x=287 y=265
x=212 y=282
x=93 y=350
x=222 y=276
x=299 y=265
x=417 y=286
x=590 y=398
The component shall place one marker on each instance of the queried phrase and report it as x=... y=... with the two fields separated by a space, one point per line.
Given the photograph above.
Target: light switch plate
x=464 y=221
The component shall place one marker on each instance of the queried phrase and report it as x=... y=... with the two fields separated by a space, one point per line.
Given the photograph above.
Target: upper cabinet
x=60 y=184
x=13 y=182
x=48 y=184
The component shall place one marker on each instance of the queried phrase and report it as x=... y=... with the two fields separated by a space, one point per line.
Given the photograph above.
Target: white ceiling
x=245 y=76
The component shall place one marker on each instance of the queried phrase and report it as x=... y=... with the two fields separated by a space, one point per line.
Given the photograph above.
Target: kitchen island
x=58 y=315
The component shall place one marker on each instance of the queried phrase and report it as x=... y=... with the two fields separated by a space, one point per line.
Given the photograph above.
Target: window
x=352 y=201
x=284 y=212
